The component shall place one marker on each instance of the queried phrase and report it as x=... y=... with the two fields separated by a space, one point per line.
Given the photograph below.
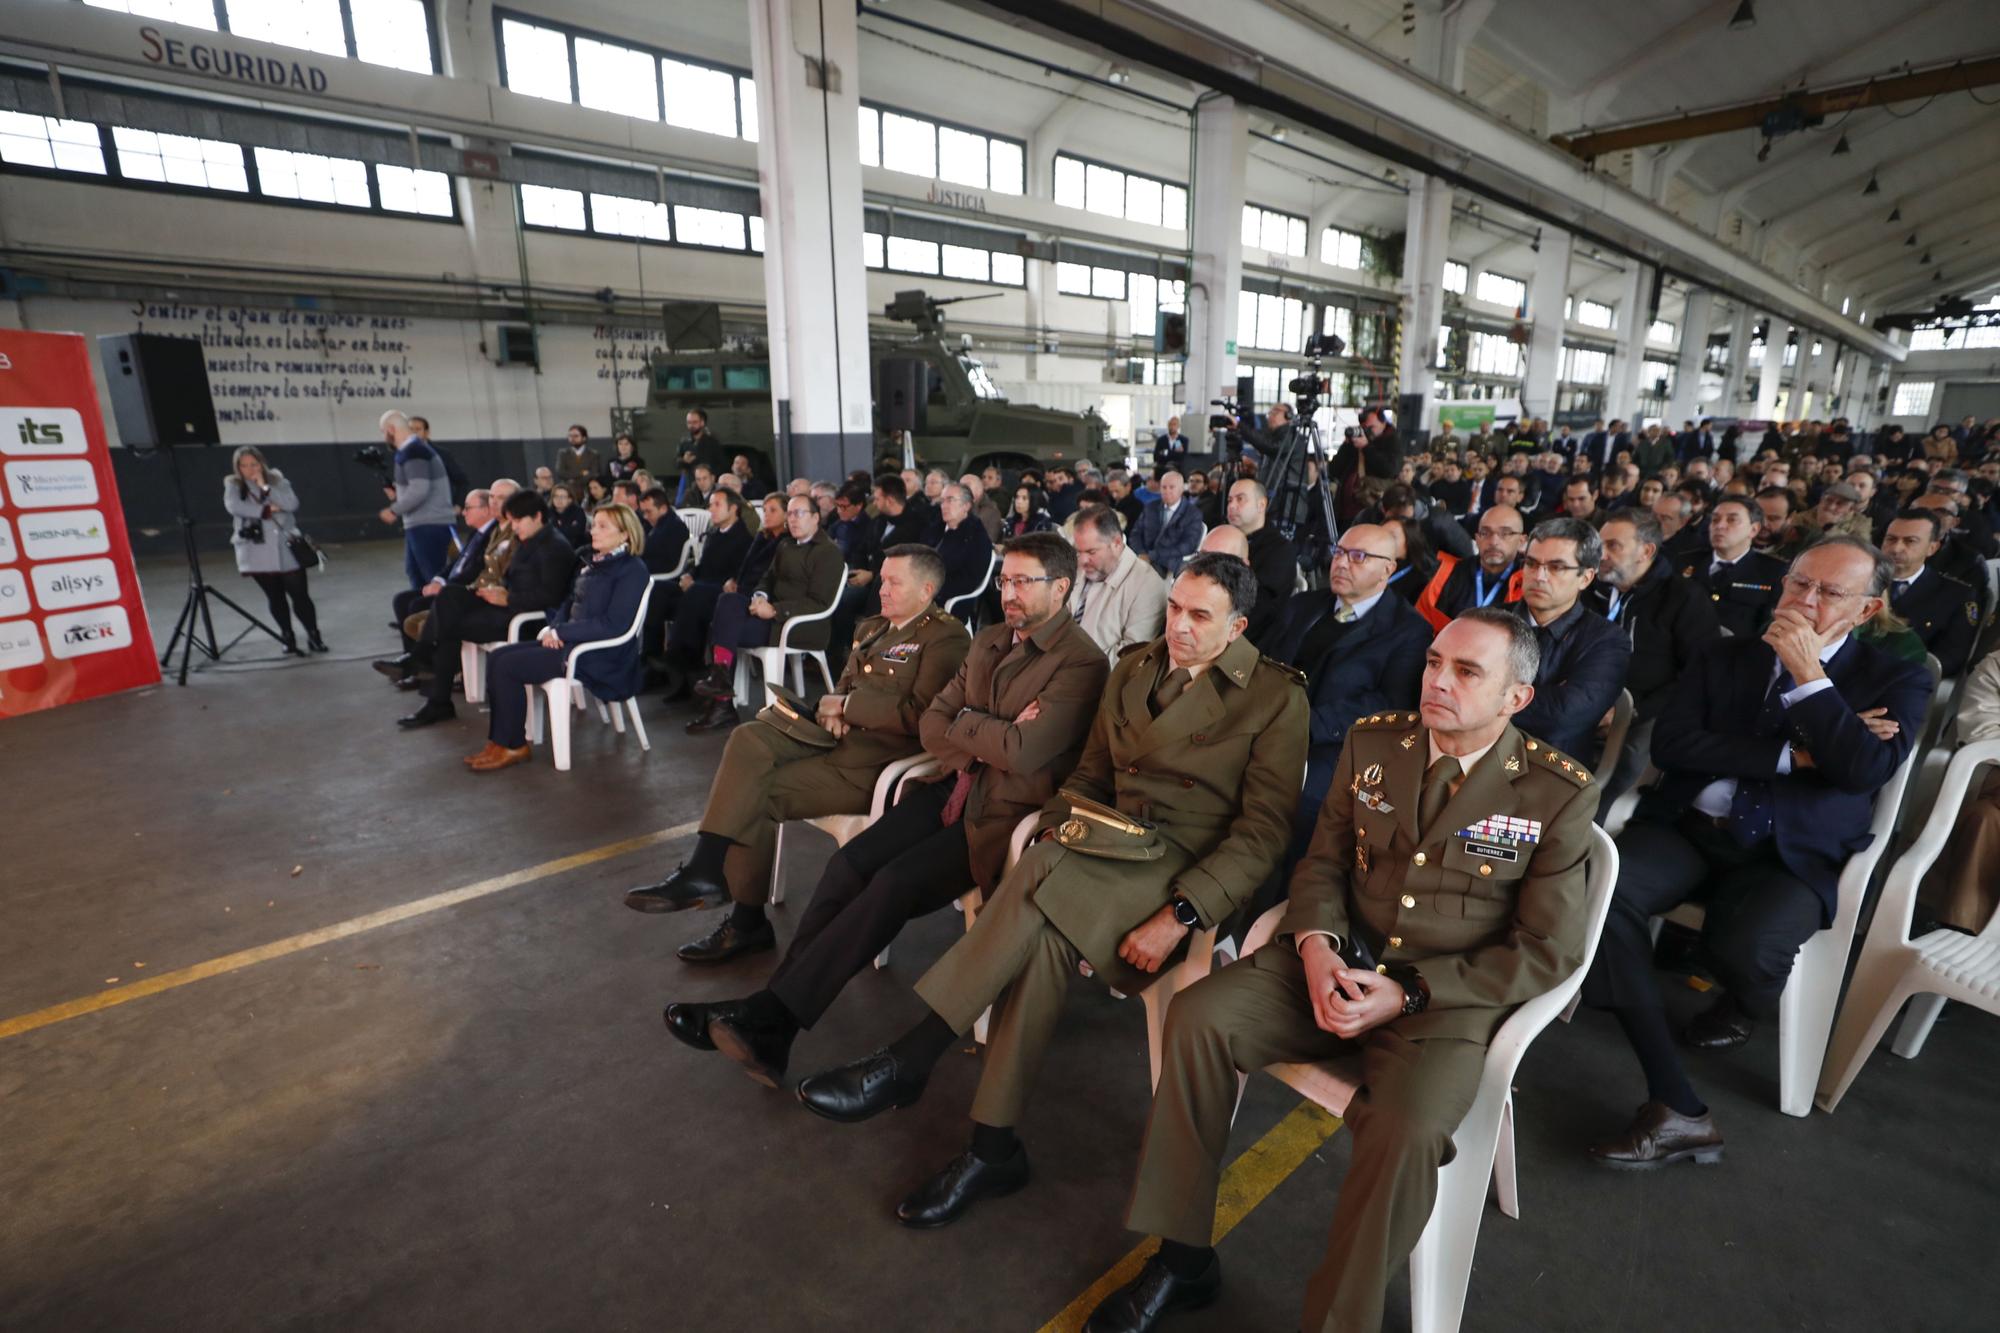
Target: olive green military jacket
x=1489 y=906
x=1218 y=771
x=805 y=578
x=889 y=680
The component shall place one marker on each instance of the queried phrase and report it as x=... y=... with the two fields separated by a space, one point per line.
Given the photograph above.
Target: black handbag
x=308 y=555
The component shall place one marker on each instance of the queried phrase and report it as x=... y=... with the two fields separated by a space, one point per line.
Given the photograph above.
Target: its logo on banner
x=102 y=629
x=77 y=583
x=46 y=485
x=62 y=534
x=41 y=431
x=20 y=645
x=8 y=553
x=13 y=594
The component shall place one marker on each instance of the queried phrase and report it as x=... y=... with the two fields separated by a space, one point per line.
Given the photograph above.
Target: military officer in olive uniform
x=901 y=659
x=1179 y=808
x=1744 y=584
x=1444 y=885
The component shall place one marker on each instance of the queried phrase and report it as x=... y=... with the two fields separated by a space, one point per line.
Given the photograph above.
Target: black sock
x=994 y=1144
x=766 y=1010
x=919 y=1049
x=1186 y=1262
x=746 y=916
x=706 y=858
x=1666 y=1081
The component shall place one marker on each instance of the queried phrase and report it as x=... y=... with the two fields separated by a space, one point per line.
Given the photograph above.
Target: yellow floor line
x=1247 y=1182
x=388 y=916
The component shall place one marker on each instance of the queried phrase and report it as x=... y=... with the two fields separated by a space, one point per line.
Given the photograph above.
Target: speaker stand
x=194 y=629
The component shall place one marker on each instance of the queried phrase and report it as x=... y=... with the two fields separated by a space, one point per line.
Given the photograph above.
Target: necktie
x=1345 y=614
x=1902 y=586
x=1750 y=817
x=1082 y=596
x=954 y=804
x=1437 y=792
x=1170 y=689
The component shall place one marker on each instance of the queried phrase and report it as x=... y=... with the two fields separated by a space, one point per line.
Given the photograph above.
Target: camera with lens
x=251 y=530
x=376 y=457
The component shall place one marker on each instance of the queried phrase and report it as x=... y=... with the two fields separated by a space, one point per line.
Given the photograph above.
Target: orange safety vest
x=1427 y=606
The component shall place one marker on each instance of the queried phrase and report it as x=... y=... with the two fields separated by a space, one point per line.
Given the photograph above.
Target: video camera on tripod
x=1308 y=388
x=1304 y=510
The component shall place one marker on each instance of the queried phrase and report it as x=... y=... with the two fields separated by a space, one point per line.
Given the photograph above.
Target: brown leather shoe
x=505 y=759
x=1660 y=1136
x=493 y=748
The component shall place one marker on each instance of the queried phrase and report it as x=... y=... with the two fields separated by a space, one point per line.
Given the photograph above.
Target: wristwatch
x=1185 y=913
x=1416 y=995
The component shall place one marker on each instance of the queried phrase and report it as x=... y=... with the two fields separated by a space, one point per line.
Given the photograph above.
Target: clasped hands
x=1798 y=646
x=1346 y=1001
x=832 y=714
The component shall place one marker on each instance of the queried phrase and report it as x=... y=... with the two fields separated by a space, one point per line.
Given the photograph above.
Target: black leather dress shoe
x=719 y=683
x=728 y=940
x=416 y=682
x=719 y=715
x=689 y=1022
x=861 y=1090
x=763 y=1052
x=1142 y=1303
x=1720 y=1028
x=963 y=1182
x=432 y=711
x=396 y=668
x=685 y=888
x=1661 y=1136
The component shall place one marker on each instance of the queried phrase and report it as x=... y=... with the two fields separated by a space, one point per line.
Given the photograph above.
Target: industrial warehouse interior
x=1350 y=649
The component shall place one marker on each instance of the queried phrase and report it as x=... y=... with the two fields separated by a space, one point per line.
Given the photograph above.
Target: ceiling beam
x=1934 y=246
x=1920 y=209
x=1658 y=51
x=1956 y=77
x=1965 y=265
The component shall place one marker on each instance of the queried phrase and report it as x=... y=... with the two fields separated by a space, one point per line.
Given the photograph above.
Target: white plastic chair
x=697 y=525
x=843 y=829
x=566 y=691
x=1943 y=965
x=1812 y=992
x=772 y=659
x=951 y=607
x=472 y=656
x=1441 y=1264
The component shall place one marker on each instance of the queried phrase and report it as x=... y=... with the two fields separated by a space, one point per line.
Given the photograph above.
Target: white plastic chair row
x=697 y=525
x=566 y=691
x=1927 y=971
x=772 y=659
x=472 y=656
x=1441 y=1264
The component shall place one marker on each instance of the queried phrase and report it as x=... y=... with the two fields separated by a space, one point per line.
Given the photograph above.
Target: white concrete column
x=1621 y=395
x=1215 y=197
x=1739 y=363
x=1817 y=373
x=1426 y=238
x=1546 y=290
x=805 y=57
x=1685 y=402
x=1773 y=370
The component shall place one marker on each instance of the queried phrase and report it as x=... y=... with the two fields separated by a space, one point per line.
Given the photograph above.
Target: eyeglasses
x=1020 y=582
x=1354 y=555
x=1533 y=566
x=1800 y=586
x=1500 y=532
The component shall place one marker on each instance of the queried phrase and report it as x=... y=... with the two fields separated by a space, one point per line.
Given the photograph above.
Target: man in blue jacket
x=1769 y=775
x=1584 y=656
x=420 y=499
x=1169 y=528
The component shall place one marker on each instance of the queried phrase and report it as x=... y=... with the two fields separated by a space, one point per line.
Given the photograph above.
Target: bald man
x=1226 y=540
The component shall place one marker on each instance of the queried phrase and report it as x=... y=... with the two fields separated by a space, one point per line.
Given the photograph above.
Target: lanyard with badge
x=1481 y=597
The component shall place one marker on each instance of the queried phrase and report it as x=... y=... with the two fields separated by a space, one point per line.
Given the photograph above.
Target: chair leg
x=778 y=865
x=534 y=715
x=472 y=669
x=631 y=706
x=1506 y=1189
x=1916 y=1025
x=1805 y=1020
x=559 y=716
x=1882 y=981
x=1441 y=1264
x=612 y=713
x=825 y=672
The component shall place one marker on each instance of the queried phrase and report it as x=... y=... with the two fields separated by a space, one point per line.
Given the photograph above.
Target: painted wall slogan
x=260 y=359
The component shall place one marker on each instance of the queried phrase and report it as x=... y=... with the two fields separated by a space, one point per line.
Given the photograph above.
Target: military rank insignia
x=901 y=652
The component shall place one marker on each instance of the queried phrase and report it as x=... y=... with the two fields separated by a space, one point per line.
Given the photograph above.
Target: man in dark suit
x=963 y=545
x=1596 y=447
x=1769 y=774
x=1272 y=557
x=1941 y=610
x=1362 y=652
x=1169 y=528
x=1170 y=448
x=482 y=508
x=1584 y=656
x=1742 y=583
x=667 y=552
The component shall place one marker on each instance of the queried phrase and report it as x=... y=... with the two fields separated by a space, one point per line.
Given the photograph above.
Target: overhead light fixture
x=1277 y=134
x=1925 y=258
x=1896 y=213
x=1840 y=148
x=1873 y=187
x=1911 y=239
x=1745 y=17
x=1118 y=74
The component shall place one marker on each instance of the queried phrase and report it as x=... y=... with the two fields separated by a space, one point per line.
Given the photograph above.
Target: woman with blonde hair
x=602 y=605
x=265 y=509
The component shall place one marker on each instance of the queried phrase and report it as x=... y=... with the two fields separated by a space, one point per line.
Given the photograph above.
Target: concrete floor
x=473 y=1118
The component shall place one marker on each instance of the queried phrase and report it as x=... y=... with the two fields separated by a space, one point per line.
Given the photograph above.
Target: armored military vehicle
x=955 y=416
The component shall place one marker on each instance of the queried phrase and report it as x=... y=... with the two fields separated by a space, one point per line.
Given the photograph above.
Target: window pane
x=909 y=144
x=1252 y=226
x=396 y=33
x=1500 y=289
x=1009 y=167
x=544 y=206
x=709 y=226
x=1142 y=200
x=871 y=137
x=191 y=13
x=1104 y=191
x=1073 y=278
x=961 y=157
x=310 y=25
x=43 y=141
x=1444 y=346
x=746 y=99
x=1142 y=294
x=1454 y=277
x=698 y=98
x=1265 y=384
x=1339 y=321
x=537 y=60
x=1295 y=333
x=617 y=78
x=960 y=261
x=1270 y=321
x=871 y=249
x=323 y=180
x=1274 y=233
x=616 y=215
x=1173 y=207
x=1295 y=237
x=1662 y=331
x=1108 y=283
x=176 y=159
x=1913 y=398
x=910 y=255
x=1069 y=182
x=757 y=233
x=407 y=190
x=1010 y=269
x=1595 y=314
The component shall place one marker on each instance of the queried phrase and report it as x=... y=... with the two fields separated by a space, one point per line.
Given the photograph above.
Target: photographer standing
x=420 y=497
x=262 y=503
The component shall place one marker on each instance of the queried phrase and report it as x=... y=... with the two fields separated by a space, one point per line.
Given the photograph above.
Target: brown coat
x=1017 y=766
x=890 y=678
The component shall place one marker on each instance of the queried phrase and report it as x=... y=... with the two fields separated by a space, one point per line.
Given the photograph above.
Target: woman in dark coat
x=1028 y=513
x=625 y=460
x=602 y=605
x=567 y=517
x=723 y=551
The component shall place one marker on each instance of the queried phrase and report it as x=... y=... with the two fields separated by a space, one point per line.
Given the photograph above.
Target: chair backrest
x=1899 y=891
x=992 y=563
x=696 y=520
x=784 y=643
x=688 y=551
x=1521 y=1027
x=1615 y=738
x=520 y=621
x=1939 y=711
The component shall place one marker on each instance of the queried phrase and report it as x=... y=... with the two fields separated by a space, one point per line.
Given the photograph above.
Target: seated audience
x=895 y=524
x=1028 y=513
x=984 y=507
x=1169 y=528
x=1416 y=563
x=752 y=485
x=545 y=482
x=1493 y=579
x=1943 y=612
x=624 y=461
x=1064 y=492
x=1744 y=584
x=964 y=547
x=489 y=540
x=1117 y=600
x=567 y=517
x=1273 y=558
x=1584 y=656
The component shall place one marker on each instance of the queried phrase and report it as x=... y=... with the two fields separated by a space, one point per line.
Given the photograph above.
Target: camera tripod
x=1293 y=501
x=194 y=628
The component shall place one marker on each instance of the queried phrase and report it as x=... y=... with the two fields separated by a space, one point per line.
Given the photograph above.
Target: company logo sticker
x=20 y=645
x=13 y=593
x=9 y=553
x=63 y=534
x=52 y=484
x=41 y=431
x=77 y=583
x=102 y=629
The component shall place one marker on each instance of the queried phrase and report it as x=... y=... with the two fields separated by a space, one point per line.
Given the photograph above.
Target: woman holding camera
x=261 y=501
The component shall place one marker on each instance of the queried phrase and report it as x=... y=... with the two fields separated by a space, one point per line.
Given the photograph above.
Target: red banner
x=72 y=623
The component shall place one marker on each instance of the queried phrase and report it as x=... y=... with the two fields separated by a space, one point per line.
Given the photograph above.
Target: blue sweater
x=603 y=605
x=423 y=487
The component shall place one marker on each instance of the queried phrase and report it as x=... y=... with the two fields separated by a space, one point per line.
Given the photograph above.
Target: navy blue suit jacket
x=1820 y=815
x=1377 y=665
x=1584 y=661
x=602 y=606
